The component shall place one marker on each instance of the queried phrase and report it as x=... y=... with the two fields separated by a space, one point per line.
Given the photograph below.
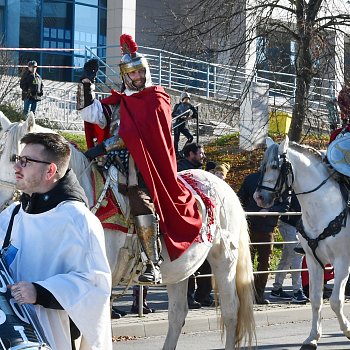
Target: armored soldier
x=139 y=120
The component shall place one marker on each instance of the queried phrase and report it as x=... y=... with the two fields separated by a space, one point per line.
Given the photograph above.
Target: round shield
x=17 y=328
x=338 y=154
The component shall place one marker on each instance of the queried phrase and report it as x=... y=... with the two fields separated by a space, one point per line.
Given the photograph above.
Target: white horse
x=324 y=232
x=229 y=254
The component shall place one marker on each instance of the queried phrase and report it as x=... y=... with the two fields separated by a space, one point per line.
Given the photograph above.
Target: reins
x=334 y=226
x=317 y=187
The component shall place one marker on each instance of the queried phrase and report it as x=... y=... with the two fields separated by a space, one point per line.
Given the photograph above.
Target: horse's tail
x=245 y=330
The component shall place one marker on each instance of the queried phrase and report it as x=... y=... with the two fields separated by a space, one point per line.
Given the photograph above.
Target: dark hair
x=210 y=165
x=56 y=146
x=191 y=147
x=33 y=64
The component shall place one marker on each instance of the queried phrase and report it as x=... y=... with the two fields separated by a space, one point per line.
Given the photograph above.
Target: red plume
x=127 y=44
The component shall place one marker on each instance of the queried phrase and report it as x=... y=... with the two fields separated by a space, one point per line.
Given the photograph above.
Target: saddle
x=112 y=208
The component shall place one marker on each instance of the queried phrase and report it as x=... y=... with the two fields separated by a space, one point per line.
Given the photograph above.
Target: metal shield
x=338 y=154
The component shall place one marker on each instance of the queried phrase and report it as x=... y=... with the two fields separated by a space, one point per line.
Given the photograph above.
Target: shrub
x=12 y=113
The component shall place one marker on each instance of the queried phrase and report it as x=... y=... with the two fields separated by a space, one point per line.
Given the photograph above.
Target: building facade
x=55 y=26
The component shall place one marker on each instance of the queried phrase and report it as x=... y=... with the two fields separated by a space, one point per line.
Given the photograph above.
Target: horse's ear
x=30 y=122
x=4 y=121
x=282 y=149
x=269 y=142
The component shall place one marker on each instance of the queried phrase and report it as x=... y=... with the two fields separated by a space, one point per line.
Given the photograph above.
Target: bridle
x=284 y=183
x=285 y=180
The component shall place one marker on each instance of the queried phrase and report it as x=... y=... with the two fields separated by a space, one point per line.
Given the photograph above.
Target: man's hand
x=23 y=292
x=96 y=151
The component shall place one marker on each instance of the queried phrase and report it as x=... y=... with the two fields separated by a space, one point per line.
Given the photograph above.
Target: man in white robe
x=57 y=253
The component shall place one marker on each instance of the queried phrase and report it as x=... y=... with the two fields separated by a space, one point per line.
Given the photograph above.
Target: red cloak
x=145 y=127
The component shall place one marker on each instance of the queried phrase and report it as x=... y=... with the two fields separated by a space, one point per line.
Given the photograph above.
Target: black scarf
x=67 y=188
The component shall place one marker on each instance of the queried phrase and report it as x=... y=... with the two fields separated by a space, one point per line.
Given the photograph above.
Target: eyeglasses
x=24 y=160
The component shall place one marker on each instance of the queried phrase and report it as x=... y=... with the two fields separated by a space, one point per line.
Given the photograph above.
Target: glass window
x=46 y=43
x=53 y=33
x=82 y=13
x=67 y=34
x=91 y=2
x=46 y=32
x=52 y=59
x=2 y=22
x=60 y=33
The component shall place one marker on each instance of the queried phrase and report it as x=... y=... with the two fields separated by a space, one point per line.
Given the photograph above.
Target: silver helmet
x=132 y=61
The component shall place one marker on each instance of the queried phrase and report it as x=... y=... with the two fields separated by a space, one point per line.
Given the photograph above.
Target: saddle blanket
x=109 y=213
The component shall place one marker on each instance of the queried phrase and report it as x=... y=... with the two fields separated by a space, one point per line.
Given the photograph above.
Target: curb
x=206 y=319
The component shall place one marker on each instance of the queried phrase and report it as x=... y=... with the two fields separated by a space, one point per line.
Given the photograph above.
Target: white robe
x=63 y=250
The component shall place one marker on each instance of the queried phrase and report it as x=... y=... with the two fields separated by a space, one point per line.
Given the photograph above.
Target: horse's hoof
x=308 y=347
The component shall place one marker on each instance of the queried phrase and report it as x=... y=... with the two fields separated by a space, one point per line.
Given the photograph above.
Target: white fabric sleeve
x=94 y=114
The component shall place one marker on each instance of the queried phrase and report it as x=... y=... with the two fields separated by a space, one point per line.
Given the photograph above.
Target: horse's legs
x=177 y=312
x=224 y=272
x=316 y=298
x=341 y=272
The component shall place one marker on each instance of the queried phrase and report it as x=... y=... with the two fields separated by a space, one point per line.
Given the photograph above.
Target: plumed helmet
x=33 y=64
x=132 y=61
x=184 y=95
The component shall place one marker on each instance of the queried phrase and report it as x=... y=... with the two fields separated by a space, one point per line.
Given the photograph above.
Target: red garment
x=145 y=127
x=335 y=133
x=328 y=274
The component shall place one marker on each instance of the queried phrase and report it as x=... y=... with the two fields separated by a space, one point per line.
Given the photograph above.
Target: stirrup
x=151 y=275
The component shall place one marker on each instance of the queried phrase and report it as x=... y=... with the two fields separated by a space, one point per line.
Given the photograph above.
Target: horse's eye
x=274 y=167
x=13 y=158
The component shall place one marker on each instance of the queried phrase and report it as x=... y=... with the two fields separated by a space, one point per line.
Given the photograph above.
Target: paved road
x=288 y=336
x=280 y=326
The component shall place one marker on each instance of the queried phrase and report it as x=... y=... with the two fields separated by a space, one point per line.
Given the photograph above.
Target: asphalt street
x=287 y=336
x=279 y=325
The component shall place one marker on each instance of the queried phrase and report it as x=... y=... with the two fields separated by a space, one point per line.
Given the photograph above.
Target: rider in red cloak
x=144 y=129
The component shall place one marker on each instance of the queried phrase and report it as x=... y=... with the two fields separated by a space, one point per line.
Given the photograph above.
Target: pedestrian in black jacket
x=194 y=157
x=32 y=87
x=261 y=230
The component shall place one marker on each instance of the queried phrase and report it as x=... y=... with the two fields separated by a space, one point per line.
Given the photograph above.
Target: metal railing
x=255 y=243
x=211 y=80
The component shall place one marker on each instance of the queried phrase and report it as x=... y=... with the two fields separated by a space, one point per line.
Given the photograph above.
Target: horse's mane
x=270 y=157
x=305 y=149
x=312 y=152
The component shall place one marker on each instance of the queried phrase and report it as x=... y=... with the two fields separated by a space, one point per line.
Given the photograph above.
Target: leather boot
x=147 y=232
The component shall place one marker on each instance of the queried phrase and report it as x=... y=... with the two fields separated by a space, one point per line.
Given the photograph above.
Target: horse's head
x=10 y=137
x=276 y=174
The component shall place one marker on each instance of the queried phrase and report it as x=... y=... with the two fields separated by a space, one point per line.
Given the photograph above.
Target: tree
x=8 y=74
x=308 y=35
